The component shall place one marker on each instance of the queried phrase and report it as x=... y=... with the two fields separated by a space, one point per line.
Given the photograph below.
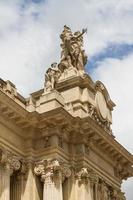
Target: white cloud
x=29 y=34
x=29 y=43
x=117 y=75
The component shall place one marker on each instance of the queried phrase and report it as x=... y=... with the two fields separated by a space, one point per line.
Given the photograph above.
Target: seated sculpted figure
x=51 y=77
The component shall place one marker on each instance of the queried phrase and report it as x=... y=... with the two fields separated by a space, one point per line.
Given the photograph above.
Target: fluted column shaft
x=4 y=183
x=8 y=164
x=16 y=189
x=86 y=184
x=52 y=189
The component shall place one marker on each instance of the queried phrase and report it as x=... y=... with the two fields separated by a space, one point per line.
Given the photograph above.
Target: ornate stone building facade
x=58 y=143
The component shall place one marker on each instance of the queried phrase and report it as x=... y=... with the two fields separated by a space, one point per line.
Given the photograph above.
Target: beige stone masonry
x=58 y=144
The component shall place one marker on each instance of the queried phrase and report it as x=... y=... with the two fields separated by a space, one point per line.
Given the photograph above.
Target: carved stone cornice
x=51 y=169
x=122 y=171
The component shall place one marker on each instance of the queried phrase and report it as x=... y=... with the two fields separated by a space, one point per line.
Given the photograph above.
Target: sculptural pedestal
x=68 y=73
x=50 y=100
x=4 y=183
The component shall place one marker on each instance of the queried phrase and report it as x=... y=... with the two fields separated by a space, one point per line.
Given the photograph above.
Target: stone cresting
x=73 y=58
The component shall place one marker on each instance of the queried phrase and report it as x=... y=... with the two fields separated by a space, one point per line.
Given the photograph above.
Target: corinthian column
x=17 y=183
x=86 y=184
x=52 y=174
x=8 y=164
x=4 y=183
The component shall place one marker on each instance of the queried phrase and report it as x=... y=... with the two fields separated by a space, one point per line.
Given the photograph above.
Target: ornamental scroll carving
x=94 y=114
x=51 y=170
x=121 y=171
x=73 y=59
x=117 y=195
x=9 y=161
x=84 y=175
x=103 y=190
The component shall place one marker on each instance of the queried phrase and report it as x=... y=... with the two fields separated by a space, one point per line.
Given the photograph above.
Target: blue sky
x=113 y=50
x=29 y=43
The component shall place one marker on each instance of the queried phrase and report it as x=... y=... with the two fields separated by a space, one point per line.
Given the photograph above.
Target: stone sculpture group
x=73 y=58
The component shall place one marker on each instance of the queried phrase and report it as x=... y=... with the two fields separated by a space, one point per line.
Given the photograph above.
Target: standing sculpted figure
x=72 y=55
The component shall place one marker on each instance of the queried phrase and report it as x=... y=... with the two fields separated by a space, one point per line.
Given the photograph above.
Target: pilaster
x=17 y=182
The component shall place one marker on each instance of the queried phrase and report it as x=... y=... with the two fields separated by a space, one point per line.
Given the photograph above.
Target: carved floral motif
x=85 y=175
x=117 y=195
x=51 y=169
x=9 y=161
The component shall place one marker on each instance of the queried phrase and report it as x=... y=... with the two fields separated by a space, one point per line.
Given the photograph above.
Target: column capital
x=85 y=174
x=82 y=175
x=40 y=167
x=51 y=168
x=94 y=178
x=9 y=161
x=117 y=195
